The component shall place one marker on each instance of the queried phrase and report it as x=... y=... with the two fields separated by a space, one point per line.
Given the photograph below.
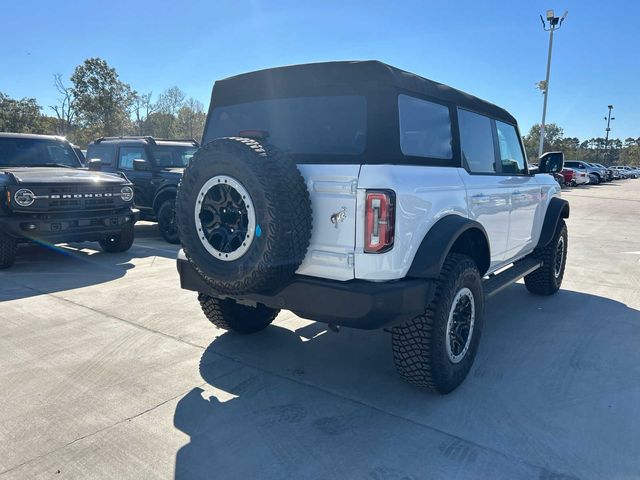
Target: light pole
x=608 y=118
x=554 y=24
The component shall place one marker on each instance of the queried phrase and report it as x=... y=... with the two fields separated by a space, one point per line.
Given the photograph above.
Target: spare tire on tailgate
x=244 y=215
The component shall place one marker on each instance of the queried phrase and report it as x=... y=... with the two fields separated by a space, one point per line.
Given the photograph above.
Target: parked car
x=631 y=172
x=596 y=174
x=46 y=196
x=603 y=175
x=608 y=172
x=574 y=177
x=361 y=195
x=617 y=174
x=621 y=171
x=154 y=166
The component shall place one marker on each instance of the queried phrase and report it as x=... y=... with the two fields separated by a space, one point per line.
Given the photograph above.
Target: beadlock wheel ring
x=462 y=316
x=225 y=218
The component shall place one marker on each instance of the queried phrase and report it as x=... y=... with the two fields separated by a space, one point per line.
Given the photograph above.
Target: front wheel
x=120 y=242
x=548 y=278
x=436 y=350
x=230 y=315
x=167 y=221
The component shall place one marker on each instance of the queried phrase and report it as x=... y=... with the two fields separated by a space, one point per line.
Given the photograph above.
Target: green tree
x=20 y=116
x=190 y=119
x=553 y=136
x=164 y=120
x=102 y=100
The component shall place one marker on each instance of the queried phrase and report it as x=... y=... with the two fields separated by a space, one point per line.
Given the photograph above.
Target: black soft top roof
x=365 y=75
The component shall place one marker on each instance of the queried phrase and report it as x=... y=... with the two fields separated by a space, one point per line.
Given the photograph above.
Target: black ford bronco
x=48 y=197
x=154 y=166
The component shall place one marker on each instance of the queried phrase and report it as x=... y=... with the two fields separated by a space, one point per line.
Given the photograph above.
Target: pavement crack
x=100 y=430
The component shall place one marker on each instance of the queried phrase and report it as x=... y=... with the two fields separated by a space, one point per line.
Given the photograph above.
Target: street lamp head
x=609 y=107
x=550 y=15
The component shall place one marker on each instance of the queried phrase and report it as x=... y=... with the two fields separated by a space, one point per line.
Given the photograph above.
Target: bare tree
x=65 y=109
x=143 y=108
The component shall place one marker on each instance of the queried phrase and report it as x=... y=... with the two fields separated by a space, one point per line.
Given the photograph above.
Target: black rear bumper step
x=354 y=303
x=521 y=268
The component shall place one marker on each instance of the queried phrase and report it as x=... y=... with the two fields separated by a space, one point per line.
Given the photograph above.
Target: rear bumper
x=355 y=303
x=70 y=227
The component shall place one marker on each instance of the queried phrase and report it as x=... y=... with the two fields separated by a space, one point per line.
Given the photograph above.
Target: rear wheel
x=167 y=221
x=120 y=242
x=8 y=249
x=436 y=350
x=230 y=315
x=548 y=278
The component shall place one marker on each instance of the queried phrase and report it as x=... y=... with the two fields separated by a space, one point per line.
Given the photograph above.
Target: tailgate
x=332 y=189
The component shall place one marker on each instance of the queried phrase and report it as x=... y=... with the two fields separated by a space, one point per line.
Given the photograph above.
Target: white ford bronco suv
x=364 y=196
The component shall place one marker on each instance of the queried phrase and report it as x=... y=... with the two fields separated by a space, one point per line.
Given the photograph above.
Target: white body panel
x=510 y=208
x=423 y=196
x=489 y=203
x=333 y=190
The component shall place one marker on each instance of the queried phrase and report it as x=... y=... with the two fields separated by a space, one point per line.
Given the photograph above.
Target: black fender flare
x=162 y=194
x=558 y=208
x=439 y=241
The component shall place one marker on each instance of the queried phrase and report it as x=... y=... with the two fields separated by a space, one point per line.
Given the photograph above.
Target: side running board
x=495 y=283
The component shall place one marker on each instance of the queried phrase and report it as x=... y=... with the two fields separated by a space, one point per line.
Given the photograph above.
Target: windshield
x=31 y=152
x=172 y=156
x=301 y=125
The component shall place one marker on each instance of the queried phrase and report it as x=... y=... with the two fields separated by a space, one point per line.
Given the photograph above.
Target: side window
x=511 y=155
x=425 y=128
x=128 y=155
x=105 y=153
x=476 y=142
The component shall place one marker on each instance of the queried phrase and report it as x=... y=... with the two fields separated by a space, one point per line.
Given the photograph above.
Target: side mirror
x=141 y=165
x=551 y=162
x=94 y=164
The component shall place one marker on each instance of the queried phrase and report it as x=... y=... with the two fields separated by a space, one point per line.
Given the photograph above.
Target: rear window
x=331 y=125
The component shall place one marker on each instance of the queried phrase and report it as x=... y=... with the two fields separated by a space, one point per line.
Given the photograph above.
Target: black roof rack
x=148 y=138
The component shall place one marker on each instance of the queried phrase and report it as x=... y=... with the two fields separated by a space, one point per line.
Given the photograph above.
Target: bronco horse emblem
x=339 y=217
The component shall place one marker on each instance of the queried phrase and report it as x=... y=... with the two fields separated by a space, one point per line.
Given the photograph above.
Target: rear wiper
x=49 y=164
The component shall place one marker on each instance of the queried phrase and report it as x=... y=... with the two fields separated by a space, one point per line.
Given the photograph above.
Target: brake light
x=379 y=221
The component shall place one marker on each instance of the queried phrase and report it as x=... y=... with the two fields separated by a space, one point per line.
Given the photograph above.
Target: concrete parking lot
x=109 y=370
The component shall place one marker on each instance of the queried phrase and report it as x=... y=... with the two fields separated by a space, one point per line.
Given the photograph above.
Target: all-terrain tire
x=120 y=242
x=230 y=315
x=420 y=345
x=8 y=250
x=167 y=221
x=282 y=210
x=548 y=278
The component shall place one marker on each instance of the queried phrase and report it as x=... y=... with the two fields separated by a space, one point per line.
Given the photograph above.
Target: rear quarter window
x=425 y=128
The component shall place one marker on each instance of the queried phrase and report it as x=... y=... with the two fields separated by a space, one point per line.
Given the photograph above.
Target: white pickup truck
x=364 y=196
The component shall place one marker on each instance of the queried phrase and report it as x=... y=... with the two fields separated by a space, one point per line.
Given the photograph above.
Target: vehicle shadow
x=296 y=403
x=44 y=268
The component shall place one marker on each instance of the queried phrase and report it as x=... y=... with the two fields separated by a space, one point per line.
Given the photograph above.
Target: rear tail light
x=379 y=221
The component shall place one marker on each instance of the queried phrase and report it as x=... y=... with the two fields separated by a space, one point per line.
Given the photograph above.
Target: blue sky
x=495 y=50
